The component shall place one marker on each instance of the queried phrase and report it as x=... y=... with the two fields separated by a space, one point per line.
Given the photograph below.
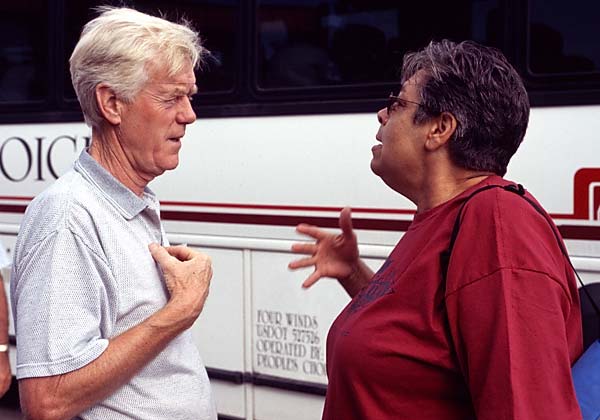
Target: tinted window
x=23 y=51
x=304 y=43
x=217 y=21
x=563 y=37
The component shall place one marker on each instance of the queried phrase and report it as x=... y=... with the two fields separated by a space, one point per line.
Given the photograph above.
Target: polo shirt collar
x=121 y=197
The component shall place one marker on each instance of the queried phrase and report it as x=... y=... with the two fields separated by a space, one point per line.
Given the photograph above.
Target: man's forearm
x=64 y=396
x=360 y=277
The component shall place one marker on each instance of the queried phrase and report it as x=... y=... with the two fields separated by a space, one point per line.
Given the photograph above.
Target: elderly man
x=102 y=330
x=493 y=334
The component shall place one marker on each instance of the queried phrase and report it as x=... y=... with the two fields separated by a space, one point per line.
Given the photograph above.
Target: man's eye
x=177 y=99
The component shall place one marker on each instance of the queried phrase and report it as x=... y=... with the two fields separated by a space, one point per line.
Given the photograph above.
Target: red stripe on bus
x=580 y=232
x=556 y=216
x=259 y=206
x=15 y=198
x=284 y=207
x=567 y=231
x=279 y=220
x=10 y=208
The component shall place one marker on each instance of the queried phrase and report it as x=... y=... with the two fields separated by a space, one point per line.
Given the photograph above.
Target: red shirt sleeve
x=509 y=329
x=513 y=312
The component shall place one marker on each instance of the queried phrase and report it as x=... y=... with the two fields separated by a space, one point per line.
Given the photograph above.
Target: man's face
x=153 y=124
x=398 y=159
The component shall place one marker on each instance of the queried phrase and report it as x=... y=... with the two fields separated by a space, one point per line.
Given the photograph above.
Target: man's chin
x=169 y=166
x=374 y=167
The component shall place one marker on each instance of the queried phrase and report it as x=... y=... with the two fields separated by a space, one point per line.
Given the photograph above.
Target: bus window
x=23 y=51
x=339 y=42
x=561 y=42
x=217 y=21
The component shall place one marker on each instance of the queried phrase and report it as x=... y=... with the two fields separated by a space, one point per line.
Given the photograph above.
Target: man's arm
x=187 y=275
x=5 y=372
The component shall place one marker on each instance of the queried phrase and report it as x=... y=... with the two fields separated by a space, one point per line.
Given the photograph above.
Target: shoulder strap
x=445 y=255
x=520 y=191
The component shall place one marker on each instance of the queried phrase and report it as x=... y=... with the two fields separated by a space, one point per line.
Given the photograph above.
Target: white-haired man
x=102 y=330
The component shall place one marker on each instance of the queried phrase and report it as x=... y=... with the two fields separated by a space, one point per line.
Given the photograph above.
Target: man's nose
x=186 y=115
x=382 y=116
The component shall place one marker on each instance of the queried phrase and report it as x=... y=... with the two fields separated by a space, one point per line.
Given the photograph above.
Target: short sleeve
x=510 y=336
x=62 y=313
x=513 y=312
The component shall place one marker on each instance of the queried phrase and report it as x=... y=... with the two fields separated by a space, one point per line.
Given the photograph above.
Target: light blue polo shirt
x=82 y=274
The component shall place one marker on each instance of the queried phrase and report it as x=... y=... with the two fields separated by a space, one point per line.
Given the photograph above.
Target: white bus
x=286 y=120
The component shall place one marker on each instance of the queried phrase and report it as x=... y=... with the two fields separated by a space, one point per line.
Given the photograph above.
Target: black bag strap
x=520 y=191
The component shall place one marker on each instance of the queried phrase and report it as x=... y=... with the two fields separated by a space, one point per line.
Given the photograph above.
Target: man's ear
x=442 y=129
x=108 y=104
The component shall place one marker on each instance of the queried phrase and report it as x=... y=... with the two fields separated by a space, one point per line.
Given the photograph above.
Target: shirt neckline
x=117 y=194
x=443 y=207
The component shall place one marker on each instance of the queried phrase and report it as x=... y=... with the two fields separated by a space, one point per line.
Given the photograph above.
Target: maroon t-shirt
x=497 y=343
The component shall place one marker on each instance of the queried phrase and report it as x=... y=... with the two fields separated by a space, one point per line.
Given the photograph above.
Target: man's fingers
x=181 y=252
x=168 y=255
x=346 y=222
x=304 y=248
x=311 y=231
x=160 y=254
x=312 y=279
x=301 y=263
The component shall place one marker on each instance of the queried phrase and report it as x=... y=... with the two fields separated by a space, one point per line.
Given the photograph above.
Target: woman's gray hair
x=117 y=48
x=482 y=90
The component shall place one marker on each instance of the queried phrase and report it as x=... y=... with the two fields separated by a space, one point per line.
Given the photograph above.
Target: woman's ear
x=441 y=132
x=108 y=104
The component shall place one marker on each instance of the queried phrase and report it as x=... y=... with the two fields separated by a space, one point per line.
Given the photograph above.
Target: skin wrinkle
x=169 y=95
x=111 y=158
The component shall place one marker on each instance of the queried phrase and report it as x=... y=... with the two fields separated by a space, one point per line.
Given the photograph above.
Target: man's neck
x=107 y=151
x=440 y=189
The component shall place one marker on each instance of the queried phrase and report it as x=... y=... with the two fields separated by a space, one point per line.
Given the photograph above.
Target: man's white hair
x=117 y=48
